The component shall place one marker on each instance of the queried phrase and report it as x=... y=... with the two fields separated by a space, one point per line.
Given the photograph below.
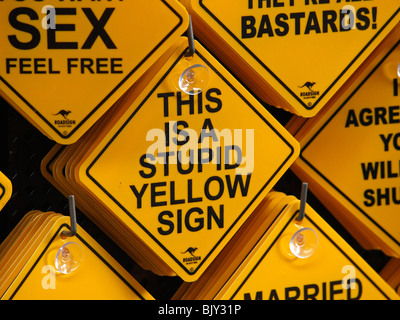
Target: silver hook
x=303 y=201
x=190 y=36
x=72 y=214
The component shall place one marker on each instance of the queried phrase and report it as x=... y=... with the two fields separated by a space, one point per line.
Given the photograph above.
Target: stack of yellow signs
x=350 y=153
x=230 y=258
x=64 y=64
x=171 y=175
x=37 y=262
x=391 y=274
x=5 y=190
x=293 y=54
x=293 y=259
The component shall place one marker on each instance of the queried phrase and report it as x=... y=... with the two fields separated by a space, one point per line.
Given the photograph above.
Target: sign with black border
x=206 y=14
x=65 y=129
x=325 y=124
x=291 y=153
x=265 y=254
x=56 y=234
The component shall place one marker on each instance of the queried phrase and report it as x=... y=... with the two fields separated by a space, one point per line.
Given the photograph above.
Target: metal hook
x=190 y=36
x=303 y=201
x=72 y=214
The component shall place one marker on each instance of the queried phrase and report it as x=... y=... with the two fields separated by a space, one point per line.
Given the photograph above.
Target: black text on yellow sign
x=302 y=73
x=63 y=63
x=50 y=37
x=390 y=142
x=303 y=23
x=365 y=119
x=223 y=157
x=195 y=169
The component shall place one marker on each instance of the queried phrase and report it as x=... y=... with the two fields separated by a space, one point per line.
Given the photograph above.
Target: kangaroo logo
x=190 y=250
x=308 y=85
x=63 y=113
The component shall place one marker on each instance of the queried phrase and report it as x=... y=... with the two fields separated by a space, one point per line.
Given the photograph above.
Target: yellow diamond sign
x=183 y=172
x=360 y=132
x=294 y=54
x=334 y=271
x=86 y=270
x=5 y=190
x=63 y=64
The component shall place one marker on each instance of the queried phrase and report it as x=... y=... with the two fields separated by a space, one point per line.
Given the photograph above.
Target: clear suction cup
x=304 y=243
x=194 y=79
x=68 y=257
x=398 y=70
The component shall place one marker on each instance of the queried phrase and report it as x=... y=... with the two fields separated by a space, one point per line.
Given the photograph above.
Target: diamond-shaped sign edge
x=26 y=102
x=292 y=152
x=40 y=256
x=325 y=235
x=308 y=163
x=276 y=77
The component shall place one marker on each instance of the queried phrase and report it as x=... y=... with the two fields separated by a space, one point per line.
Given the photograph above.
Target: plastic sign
x=183 y=172
x=333 y=272
x=63 y=63
x=294 y=54
x=97 y=275
x=5 y=190
x=350 y=155
x=235 y=252
x=46 y=167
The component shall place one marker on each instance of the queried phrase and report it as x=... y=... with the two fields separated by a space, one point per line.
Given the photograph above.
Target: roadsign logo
x=63 y=113
x=308 y=85
x=192 y=259
x=190 y=250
